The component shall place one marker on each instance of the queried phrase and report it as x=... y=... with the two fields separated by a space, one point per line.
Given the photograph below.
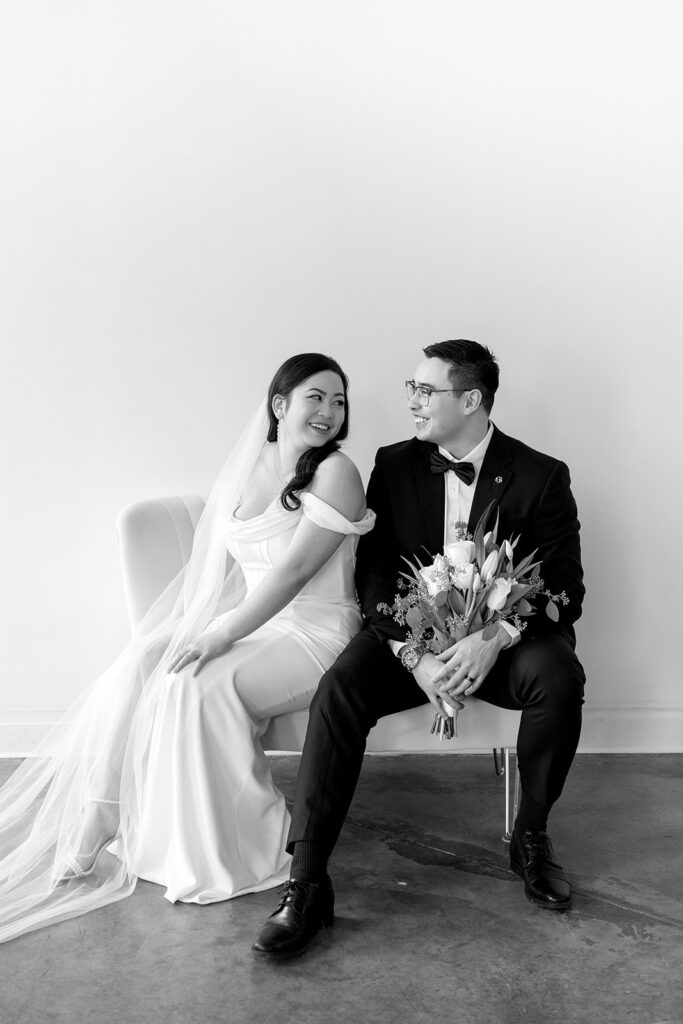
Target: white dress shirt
x=459 y=495
x=458 y=506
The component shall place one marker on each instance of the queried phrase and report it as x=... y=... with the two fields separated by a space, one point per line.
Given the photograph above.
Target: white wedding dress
x=211 y=822
x=173 y=763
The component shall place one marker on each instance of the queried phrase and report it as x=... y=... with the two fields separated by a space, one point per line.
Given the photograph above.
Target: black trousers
x=542 y=677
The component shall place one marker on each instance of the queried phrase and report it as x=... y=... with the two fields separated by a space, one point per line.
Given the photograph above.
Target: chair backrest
x=155 y=539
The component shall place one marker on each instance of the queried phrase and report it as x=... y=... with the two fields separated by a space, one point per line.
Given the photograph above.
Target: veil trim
x=97 y=754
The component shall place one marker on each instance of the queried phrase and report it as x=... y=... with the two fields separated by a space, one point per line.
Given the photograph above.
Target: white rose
x=435 y=576
x=498 y=595
x=461 y=552
x=461 y=575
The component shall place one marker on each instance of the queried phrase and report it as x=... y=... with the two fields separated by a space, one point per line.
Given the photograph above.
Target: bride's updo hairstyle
x=295 y=371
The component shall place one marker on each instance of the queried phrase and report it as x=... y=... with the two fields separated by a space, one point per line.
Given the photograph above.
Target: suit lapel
x=496 y=473
x=430 y=489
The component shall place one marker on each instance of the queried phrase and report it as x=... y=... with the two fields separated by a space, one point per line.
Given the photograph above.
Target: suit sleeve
x=378 y=561
x=556 y=536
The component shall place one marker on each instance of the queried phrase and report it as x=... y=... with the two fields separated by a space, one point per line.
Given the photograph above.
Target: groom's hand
x=465 y=665
x=425 y=673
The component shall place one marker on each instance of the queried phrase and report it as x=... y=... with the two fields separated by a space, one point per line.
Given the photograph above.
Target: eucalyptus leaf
x=413 y=618
x=552 y=612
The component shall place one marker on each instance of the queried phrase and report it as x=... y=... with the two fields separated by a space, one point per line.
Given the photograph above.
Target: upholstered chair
x=155 y=538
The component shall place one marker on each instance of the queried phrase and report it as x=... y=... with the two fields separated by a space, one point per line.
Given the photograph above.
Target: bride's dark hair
x=295 y=371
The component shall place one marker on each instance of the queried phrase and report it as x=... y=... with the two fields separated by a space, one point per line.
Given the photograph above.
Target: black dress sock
x=530 y=816
x=308 y=864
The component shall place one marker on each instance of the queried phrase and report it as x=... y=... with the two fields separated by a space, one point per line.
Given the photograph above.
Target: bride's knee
x=188 y=684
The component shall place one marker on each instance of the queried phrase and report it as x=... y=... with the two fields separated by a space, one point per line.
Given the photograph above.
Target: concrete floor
x=431 y=923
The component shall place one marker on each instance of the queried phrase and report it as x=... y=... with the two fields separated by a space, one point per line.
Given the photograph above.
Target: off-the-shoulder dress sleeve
x=324 y=515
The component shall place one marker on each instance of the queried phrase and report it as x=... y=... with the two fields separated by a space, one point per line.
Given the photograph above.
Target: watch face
x=410 y=658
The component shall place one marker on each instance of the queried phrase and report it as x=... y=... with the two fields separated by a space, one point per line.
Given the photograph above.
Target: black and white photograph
x=341 y=568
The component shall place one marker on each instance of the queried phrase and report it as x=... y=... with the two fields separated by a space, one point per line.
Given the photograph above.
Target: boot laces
x=290 y=891
x=537 y=844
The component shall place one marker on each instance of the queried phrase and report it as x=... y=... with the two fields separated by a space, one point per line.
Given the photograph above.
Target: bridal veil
x=98 y=752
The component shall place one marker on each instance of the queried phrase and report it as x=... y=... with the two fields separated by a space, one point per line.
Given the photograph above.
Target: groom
x=422 y=491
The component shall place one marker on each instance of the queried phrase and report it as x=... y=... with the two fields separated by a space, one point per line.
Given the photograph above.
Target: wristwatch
x=411 y=655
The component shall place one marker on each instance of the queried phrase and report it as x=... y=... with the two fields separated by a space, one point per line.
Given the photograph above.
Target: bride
x=158 y=771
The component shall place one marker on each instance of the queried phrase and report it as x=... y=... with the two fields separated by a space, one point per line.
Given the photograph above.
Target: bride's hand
x=209 y=646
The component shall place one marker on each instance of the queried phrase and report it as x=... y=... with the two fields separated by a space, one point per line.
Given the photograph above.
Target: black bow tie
x=438 y=463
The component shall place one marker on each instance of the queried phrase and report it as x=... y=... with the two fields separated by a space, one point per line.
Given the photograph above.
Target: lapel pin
x=499 y=479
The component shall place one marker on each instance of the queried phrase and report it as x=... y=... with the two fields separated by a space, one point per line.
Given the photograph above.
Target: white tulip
x=489 y=567
x=498 y=595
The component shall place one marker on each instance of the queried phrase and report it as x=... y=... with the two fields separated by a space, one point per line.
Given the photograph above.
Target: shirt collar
x=476 y=456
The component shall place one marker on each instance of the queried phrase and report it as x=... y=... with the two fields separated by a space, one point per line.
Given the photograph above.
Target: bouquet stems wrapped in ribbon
x=470 y=587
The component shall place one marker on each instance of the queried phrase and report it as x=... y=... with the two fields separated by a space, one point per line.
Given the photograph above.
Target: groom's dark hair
x=473 y=366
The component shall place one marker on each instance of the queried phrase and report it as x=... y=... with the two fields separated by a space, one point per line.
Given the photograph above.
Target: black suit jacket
x=532 y=494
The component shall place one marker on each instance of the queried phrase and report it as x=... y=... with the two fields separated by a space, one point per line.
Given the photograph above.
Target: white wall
x=190 y=192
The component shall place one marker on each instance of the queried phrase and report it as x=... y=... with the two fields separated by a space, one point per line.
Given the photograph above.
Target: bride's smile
x=312 y=415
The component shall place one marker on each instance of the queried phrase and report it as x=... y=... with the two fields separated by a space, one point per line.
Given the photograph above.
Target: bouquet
x=470 y=587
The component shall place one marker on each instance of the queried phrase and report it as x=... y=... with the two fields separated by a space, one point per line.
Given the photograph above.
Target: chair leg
x=518 y=786
x=498 y=767
x=507 y=835
x=501 y=762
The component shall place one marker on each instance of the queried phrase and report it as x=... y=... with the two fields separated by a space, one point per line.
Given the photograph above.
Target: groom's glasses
x=423 y=394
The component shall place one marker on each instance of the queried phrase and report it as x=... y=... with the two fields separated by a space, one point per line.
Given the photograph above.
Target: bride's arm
x=337 y=482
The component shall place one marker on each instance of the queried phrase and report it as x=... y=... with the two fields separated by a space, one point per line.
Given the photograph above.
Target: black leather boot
x=545 y=881
x=304 y=908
